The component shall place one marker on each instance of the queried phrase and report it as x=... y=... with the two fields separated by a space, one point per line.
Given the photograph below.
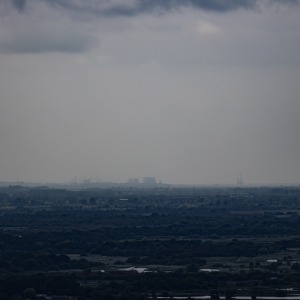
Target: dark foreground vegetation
x=147 y=243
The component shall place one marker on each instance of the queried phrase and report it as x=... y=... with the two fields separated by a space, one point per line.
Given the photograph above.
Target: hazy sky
x=189 y=91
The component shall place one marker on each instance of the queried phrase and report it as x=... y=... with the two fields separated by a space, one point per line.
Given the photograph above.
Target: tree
x=214 y=295
x=192 y=268
x=295 y=266
x=29 y=293
x=229 y=293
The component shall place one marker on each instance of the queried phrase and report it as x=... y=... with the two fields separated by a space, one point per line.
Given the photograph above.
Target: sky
x=188 y=91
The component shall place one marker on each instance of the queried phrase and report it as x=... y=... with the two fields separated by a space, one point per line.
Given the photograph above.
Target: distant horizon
x=158 y=183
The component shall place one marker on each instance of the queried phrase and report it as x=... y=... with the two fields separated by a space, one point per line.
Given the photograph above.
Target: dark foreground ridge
x=149 y=243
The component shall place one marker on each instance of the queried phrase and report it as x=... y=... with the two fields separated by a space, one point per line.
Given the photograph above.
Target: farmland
x=136 y=243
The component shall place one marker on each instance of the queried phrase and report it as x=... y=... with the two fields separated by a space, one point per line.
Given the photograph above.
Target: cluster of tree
x=122 y=285
x=168 y=196
x=16 y=262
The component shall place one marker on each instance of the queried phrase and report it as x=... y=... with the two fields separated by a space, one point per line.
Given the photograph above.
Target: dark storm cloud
x=112 y=8
x=158 y=6
x=214 y=5
x=33 y=29
x=19 y=4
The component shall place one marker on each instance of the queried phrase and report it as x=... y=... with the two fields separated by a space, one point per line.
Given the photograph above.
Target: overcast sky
x=189 y=91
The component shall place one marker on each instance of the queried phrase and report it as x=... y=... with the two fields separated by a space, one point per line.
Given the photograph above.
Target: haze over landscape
x=191 y=92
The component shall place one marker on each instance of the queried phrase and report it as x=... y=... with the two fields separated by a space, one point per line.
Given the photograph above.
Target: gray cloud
x=157 y=6
x=41 y=43
x=33 y=29
x=129 y=8
x=19 y=4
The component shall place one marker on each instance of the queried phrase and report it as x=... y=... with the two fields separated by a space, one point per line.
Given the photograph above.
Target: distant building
x=149 y=181
x=133 y=181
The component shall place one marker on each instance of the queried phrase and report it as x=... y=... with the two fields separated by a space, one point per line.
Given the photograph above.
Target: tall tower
x=240 y=181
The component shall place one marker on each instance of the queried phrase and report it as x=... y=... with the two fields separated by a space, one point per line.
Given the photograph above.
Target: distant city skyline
x=94 y=183
x=191 y=92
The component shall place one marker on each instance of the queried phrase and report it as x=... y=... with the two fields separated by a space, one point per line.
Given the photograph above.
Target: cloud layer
x=31 y=26
x=133 y=7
